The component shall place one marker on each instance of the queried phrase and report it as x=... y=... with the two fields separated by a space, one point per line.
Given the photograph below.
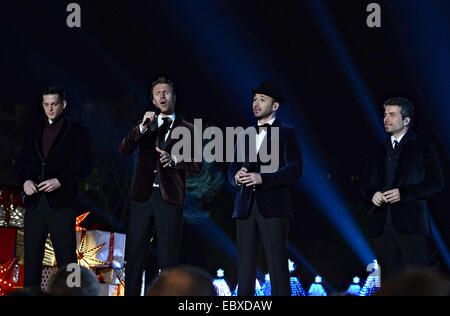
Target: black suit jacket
x=273 y=196
x=418 y=175
x=172 y=180
x=69 y=160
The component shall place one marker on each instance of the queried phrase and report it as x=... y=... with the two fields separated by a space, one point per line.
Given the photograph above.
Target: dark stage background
x=336 y=73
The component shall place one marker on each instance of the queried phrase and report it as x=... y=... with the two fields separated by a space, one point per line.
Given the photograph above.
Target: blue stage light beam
x=348 y=67
x=426 y=26
x=227 y=55
x=440 y=244
x=104 y=56
x=216 y=37
x=214 y=235
x=326 y=193
x=209 y=231
x=305 y=263
x=334 y=208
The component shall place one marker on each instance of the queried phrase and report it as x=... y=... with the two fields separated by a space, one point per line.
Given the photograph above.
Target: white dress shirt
x=160 y=123
x=260 y=137
x=393 y=139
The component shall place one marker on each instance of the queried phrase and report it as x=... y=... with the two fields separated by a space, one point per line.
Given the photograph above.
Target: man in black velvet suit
x=263 y=201
x=398 y=177
x=159 y=186
x=55 y=158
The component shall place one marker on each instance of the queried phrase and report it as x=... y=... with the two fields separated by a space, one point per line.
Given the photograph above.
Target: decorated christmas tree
x=221 y=285
x=316 y=288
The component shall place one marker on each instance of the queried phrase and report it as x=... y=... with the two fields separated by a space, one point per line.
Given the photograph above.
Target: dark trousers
x=39 y=222
x=396 y=252
x=154 y=215
x=253 y=233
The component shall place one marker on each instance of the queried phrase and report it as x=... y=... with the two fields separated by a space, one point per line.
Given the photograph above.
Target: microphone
x=247 y=166
x=154 y=125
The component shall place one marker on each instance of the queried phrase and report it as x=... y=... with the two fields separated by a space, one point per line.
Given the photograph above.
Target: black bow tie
x=261 y=128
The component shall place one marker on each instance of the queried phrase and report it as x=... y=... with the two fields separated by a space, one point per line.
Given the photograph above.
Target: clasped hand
x=247 y=178
x=390 y=197
x=48 y=186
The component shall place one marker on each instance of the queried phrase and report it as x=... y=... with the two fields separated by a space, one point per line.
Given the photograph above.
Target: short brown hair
x=407 y=108
x=55 y=90
x=163 y=80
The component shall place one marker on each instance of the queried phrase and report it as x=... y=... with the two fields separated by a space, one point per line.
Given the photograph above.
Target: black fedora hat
x=271 y=89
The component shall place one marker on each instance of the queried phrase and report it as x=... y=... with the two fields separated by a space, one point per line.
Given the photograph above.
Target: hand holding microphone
x=150 y=120
x=241 y=173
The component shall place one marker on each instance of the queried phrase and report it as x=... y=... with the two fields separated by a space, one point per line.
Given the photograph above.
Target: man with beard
x=398 y=178
x=263 y=202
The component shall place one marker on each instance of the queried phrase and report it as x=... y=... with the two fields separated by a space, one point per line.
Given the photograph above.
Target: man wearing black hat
x=263 y=203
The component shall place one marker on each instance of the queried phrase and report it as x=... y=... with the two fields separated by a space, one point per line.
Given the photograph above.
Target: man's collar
x=160 y=119
x=270 y=122
x=398 y=139
x=52 y=122
x=409 y=136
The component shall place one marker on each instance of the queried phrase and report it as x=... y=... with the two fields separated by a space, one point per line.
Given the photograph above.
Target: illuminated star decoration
x=79 y=220
x=86 y=257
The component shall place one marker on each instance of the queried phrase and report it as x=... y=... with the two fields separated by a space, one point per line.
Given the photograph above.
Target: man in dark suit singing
x=55 y=157
x=263 y=202
x=158 y=192
x=398 y=178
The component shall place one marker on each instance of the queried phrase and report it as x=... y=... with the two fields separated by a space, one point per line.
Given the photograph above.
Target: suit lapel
x=61 y=136
x=267 y=142
x=405 y=153
x=38 y=141
x=276 y=123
